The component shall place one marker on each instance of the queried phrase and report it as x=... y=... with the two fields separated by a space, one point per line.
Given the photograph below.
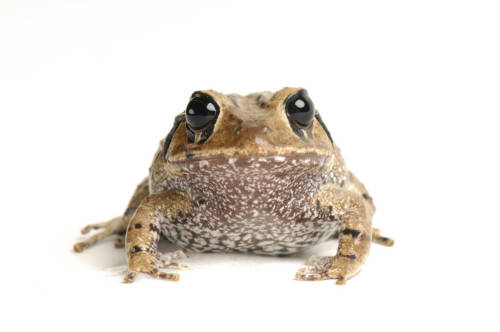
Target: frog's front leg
x=144 y=231
x=355 y=236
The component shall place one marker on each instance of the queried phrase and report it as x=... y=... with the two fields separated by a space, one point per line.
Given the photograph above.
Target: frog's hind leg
x=96 y=226
x=116 y=225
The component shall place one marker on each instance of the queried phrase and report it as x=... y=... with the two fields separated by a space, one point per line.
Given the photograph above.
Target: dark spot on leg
x=367 y=197
x=138 y=226
x=352 y=232
x=180 y=214
x=330 y=210
x=342 y=184
x=189 y=155
x=317 y=204
x=348 y=256
x=136 y=249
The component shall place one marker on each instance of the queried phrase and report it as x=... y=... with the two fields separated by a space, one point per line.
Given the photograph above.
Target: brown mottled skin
x=251 y=180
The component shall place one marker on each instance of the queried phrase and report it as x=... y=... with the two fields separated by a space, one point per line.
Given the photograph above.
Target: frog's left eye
x=300 y=108
x=201 y=110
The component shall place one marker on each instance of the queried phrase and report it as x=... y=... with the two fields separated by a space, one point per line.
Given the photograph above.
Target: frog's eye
x=201 y=110
x=300 y=108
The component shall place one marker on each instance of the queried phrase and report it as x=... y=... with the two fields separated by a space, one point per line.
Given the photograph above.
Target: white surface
x=409 y=90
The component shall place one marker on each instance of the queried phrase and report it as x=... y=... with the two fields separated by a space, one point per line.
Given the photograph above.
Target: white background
x=409 y=90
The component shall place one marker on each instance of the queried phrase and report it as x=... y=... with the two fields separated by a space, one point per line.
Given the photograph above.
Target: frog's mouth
x=236 y=163
x=310 y=155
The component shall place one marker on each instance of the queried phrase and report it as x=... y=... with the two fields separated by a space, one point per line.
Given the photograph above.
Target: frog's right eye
x=300 y=108
x=201 y=110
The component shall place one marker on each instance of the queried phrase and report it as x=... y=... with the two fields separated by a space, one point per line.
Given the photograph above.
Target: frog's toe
x=155 y=273
x=80 y=246
x=316 y=268
x=130 y=277
x=170 y=276
x=305 y=274
x=378 y=238
x=343 y=267
x=95 y=226
x=175 y=266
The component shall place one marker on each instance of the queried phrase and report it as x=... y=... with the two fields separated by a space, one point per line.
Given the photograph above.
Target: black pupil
x=300 y=108
x=200 y=111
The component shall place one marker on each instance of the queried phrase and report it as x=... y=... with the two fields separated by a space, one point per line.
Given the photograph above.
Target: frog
x=257 y=174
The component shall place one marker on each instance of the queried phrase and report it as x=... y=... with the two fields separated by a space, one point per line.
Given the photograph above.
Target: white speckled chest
x=250 y=204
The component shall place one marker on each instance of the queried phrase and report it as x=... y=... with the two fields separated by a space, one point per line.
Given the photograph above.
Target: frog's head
x=264 y=124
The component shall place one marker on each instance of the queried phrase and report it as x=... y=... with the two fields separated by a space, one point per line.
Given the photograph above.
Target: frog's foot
x=171 y=260
x=114 y=226
x=155 y=265
x=329 y=267
x=316 y=268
